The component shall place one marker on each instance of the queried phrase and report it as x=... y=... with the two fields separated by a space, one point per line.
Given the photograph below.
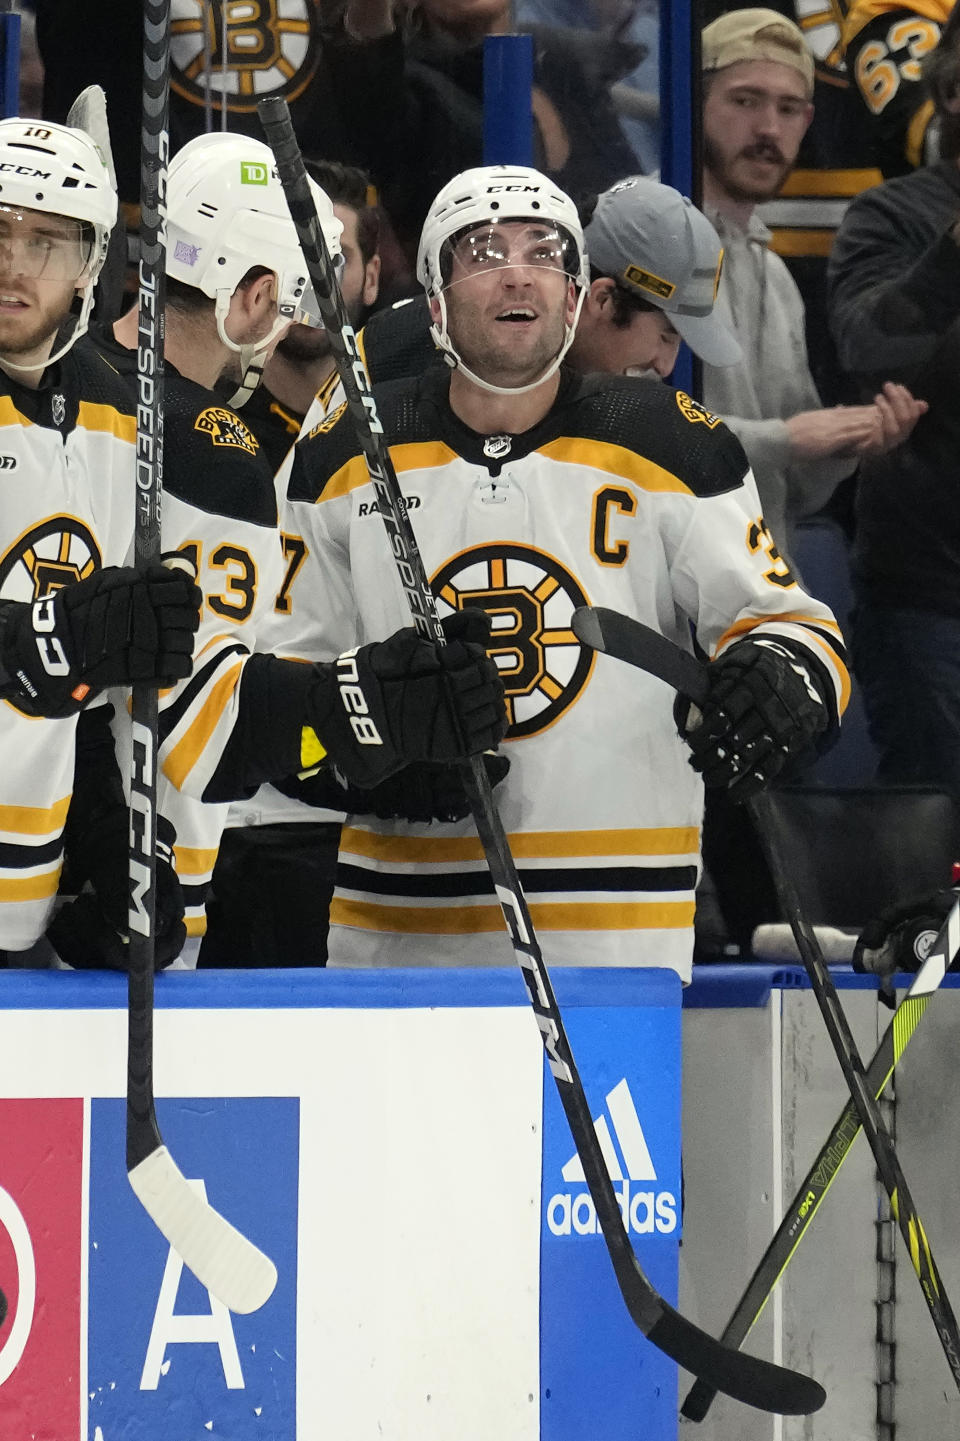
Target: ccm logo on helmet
x=7 y=166
x=354 y=700
x=512 y=189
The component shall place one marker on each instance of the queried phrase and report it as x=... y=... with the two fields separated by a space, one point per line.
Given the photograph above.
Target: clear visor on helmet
x=42 y=246
x=508 y=244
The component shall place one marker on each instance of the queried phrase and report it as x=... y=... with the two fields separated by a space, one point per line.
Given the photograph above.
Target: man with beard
x=235 y=281
x=758 y=83
x=532 y=487
x=302 y=367
x=656 y=264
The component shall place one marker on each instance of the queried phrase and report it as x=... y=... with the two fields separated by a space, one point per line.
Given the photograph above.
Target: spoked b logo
x=646 y=1209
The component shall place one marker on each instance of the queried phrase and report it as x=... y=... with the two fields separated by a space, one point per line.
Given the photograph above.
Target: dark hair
x=348 y=185
x=189 y=300
x=941 y=76
x=626 y=304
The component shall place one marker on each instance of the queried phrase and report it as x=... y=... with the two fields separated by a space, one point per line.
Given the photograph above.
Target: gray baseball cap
x=655 y=243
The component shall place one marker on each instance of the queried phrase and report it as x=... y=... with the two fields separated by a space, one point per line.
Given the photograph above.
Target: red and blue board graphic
x=107 y=1334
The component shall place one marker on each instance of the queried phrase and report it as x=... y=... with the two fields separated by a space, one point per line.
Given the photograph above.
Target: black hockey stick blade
x=798 y=1215
x=626 y=639
x=629 y=640
x=231 y=1267
x=756 y=1383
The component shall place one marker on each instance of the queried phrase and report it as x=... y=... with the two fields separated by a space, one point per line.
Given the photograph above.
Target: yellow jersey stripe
x=916 y=132
x=528 y=845
x=486 y=919
x=184 y=755
x=614 y=460
x=750 y=622
x=34 y=820
x=792 y=243
x=194 y=860
x=415 y=455
x=30 y=888
x=106 y=418
x=837 y=183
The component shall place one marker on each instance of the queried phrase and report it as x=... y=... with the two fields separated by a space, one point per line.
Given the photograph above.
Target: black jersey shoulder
x=406 y=412
x=100 y=381
x=396 y=342
x=212 y=460
x=664 y=425
x=275 y=425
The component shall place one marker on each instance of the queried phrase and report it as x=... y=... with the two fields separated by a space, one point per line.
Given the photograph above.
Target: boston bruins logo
x=245 y=48
x=225 y=428
x=530 y=598
x=50 y=555
x=820 y=21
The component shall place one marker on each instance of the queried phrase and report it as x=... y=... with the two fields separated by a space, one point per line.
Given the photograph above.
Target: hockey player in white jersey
x=532 y=491
x=236 y=282
x=73 y=618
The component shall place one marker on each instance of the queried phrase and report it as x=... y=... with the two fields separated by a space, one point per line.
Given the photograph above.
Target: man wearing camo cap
x=655 y=264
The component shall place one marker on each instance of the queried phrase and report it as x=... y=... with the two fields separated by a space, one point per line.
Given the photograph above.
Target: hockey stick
x=628 y=640
x=755 y=1382
x=813 y=1188
x=223 y=1260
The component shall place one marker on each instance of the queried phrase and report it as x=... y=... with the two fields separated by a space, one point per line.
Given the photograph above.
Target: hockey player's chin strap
x=252 y=356
x=81 y=321
x=442 y=340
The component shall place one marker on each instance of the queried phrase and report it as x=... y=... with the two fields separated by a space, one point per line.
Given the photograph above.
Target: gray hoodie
x=760 y=302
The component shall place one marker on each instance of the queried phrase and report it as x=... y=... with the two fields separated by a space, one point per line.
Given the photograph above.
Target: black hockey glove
x=90 y=932
x=899 y=939
x=765 y=708
x=419 y=793
x=406 y=699
x=115 y=627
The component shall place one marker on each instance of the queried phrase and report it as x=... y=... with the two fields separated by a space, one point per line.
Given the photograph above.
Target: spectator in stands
x=216 y=76
x=758 y=81
x=884 y=45
x=636 y=97
x=412 y=89
x=895 y=296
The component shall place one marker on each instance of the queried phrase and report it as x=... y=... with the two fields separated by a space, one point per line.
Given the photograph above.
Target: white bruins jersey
x=219 y=508
x=67 y=471
x=625 y=495
x=270 y=806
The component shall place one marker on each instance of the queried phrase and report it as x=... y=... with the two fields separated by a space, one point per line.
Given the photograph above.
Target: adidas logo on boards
x=645 y=1211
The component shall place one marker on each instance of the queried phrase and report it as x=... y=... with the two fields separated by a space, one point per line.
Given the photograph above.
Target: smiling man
x=533 y=490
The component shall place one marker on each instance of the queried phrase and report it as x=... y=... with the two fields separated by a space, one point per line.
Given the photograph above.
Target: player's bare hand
x=838 y=430
x=897 y=413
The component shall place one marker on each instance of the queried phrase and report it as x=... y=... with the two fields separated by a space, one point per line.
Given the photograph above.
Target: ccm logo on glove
x=52 y=655
x=354 y=700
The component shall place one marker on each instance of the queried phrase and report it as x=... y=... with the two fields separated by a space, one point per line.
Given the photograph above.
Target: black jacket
x=894 y=278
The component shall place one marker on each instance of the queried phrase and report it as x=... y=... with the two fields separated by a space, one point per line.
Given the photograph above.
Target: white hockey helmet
x=488 y=195
x=60 y=171
x=226 y=213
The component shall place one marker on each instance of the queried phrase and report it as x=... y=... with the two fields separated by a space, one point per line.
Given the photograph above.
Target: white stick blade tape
x=232 y=1268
